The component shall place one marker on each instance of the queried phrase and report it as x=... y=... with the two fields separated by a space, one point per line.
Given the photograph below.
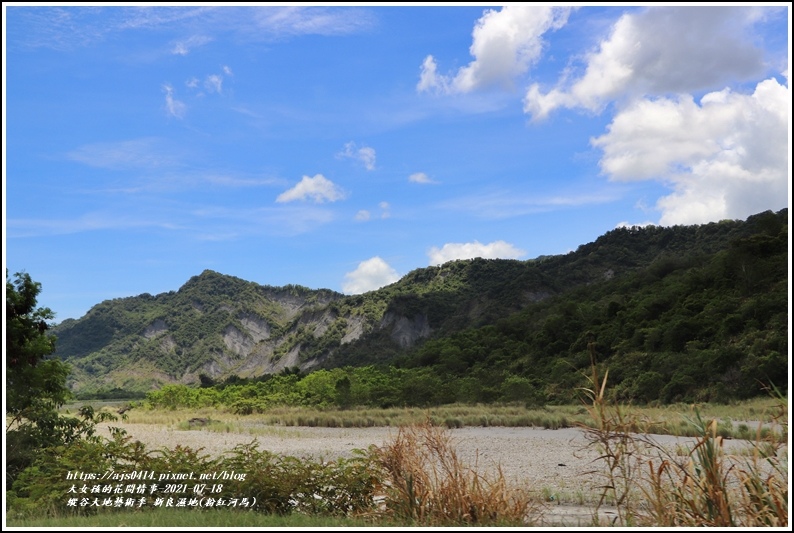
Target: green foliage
x=703 y=310
x=286 y=484
x=35 y=385
x=179 y=332
x=682 y=329
x=280 y=484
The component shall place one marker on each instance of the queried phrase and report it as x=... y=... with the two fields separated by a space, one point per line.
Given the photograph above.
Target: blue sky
x=343 y=147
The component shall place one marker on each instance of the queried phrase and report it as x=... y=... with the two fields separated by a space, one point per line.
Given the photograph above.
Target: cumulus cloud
x=420 y=177
x=318 y=189
x=363 y=215
x=661 y=50
x=724 y=157
x=371 y=274
x=470 y=250
x=173 y=107
x=504 y=45
x=429 y=79
x=365 y=154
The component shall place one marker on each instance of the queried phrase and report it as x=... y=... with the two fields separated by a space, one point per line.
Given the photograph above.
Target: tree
x=35 y=384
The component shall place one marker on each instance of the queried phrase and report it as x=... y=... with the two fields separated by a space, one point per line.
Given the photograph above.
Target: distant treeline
x=345 y=387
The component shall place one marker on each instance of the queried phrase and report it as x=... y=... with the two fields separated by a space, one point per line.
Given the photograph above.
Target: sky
x=343 y=147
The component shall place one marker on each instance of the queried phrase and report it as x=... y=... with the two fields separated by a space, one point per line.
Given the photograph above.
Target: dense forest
x=683 y=313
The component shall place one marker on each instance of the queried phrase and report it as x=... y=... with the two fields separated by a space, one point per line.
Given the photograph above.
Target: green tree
x=35 y=384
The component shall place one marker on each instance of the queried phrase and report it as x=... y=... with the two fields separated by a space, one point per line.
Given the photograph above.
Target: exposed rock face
x=355 y=329
x=405 y=331
x=256 y=327
x=318 y=321
x=155 y=328
x=237 y=341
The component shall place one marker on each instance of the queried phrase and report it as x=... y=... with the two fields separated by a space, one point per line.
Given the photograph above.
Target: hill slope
x=221 y=326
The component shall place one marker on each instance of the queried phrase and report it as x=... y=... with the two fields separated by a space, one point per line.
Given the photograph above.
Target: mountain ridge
x=221 y=326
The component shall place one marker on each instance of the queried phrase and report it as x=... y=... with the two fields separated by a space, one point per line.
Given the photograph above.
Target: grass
x=190 y=518
x=739 y=421
x=424 y=483
x=427 y=484
x=699 y=486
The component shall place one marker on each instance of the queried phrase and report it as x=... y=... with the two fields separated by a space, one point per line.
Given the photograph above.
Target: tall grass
x=699 y=486
x=427 y=484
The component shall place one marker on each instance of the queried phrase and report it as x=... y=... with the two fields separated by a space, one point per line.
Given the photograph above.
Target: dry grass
x=700 y=486
x=666 y=420
x=428 y=485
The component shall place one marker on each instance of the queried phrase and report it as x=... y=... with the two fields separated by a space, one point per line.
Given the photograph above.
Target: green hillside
x=676 y=313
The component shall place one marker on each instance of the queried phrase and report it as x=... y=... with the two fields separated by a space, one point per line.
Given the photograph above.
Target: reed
x=691 y=487
x=427 y=484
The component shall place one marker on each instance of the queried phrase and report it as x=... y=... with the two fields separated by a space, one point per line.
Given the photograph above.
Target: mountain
x=221 y=326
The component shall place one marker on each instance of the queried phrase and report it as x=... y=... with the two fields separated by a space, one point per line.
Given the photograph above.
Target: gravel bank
x=541 y=458
x=544 y=461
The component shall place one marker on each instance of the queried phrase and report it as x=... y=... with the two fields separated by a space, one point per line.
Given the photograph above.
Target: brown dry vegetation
x=700 y=486
x=427 y=484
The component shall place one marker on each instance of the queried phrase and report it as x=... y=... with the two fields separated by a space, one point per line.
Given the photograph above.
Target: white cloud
x=726 y=157
x=318 y=189
x=365 y=215
x=214 y=83
x=506 y=204
x=470 y=250
x=227 y=70
x=234 y=182
x=625 y=224
x=429 y=79
x=148 y=152
x=184 y=47
x=661 y=50
x=295 y=20
x=174 y=107
x=285 y=221
x=420 y=177
x=369 y=275
x=74 y=26
x=365 y=154
x=118 y=220
x=192 y=83
x=504 y=45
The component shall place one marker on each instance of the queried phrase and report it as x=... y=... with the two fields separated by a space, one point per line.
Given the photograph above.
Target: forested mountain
x=675 y=313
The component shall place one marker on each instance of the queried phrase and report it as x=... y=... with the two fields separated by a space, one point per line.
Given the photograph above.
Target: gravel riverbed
x=545 y=461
